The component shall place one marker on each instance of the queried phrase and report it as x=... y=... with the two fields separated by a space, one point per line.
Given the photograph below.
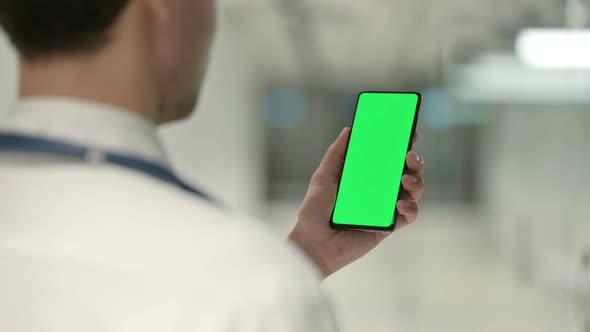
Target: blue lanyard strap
x=38 y=145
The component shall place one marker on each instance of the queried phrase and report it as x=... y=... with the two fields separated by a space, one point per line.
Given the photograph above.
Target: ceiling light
x=554 y=48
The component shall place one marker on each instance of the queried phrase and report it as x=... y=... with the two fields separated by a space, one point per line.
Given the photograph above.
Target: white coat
x=96 y=247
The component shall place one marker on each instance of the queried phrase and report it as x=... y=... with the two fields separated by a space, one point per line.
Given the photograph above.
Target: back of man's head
x=144 y=55
x=43 y=27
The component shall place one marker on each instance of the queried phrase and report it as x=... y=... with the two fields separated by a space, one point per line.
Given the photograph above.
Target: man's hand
x=330 y=249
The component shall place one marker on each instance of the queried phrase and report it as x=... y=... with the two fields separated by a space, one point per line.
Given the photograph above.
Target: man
x=96 y=234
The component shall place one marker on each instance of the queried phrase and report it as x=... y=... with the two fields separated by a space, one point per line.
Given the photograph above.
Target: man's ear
x=158 y=10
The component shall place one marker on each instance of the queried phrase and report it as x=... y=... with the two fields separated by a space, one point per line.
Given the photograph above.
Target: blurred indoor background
x=503 y=241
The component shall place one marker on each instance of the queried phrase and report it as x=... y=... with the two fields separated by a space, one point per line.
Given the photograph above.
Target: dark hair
x=42 y=27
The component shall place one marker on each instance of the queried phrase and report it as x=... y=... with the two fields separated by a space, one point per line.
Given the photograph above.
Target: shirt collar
x=86 y=123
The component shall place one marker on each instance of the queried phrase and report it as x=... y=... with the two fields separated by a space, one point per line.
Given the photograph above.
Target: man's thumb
x=330 y=169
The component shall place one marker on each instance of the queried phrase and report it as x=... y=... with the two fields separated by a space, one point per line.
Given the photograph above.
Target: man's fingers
x=407 y=214
x=416 y=137
x=412 y=182
x=400 y=223
x=415 y=163
x=413 y=186
x=330 y=169
x=408 y=211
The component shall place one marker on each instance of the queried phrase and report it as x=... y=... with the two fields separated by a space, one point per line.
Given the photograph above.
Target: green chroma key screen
x=375 y=160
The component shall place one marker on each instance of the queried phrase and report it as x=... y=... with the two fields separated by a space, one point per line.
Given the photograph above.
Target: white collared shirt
x=96 y=247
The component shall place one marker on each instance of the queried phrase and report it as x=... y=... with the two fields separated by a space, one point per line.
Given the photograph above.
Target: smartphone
x=381 y=137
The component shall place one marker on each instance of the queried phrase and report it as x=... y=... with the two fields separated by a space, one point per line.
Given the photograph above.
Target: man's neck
x=104 y=78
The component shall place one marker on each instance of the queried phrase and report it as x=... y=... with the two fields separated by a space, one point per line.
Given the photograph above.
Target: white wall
x=220 y=147
x=536 y=178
